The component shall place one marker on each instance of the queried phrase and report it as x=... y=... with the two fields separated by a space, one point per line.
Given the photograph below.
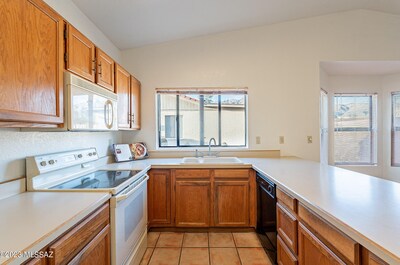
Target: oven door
x=128 y=220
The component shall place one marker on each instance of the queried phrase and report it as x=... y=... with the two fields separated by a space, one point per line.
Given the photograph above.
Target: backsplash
x=16 y=145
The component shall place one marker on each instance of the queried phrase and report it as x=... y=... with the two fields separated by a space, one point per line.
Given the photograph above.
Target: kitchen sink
x=211 y=160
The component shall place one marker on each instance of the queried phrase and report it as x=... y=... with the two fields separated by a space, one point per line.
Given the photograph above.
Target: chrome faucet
x=209 y=145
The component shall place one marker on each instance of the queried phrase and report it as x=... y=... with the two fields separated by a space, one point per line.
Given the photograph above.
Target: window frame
x=393 y=129
x=201 y=110
x=373 y=138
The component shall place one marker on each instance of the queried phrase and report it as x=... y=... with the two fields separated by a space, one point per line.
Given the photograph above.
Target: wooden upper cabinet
x=80 y=54
x=31 y=64
x=122 y=88
x=135 y=103
x=231 y=203
x=105 y=70
x=159 y=197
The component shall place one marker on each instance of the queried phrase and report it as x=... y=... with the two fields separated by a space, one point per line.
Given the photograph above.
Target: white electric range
x=82 y=171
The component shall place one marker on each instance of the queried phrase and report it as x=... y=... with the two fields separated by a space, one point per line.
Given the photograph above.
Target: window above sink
x=191 y=117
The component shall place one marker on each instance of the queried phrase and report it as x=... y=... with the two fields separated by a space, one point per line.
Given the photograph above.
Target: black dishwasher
x=266 y=215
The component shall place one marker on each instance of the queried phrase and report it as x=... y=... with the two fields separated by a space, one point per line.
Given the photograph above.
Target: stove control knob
x=80 y=156
x=51 y=162
x=94 y=153
x=90 y=154
x=43 y=163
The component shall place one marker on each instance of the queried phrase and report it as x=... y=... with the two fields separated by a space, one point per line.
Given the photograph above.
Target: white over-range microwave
x=88 y=107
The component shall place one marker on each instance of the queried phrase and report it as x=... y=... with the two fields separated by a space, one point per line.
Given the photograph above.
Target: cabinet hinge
x=65 y=57
x=65 y=33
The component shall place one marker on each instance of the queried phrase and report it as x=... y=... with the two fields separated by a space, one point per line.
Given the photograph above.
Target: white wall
x=74 y=15
x=390 y=83
x=278 y=63
x=16 y=145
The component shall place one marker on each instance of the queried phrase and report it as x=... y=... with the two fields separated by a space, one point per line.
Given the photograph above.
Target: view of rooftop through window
x=355 y=129
x=202 y=116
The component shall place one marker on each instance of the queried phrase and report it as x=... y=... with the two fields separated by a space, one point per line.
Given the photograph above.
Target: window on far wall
x=355 y=129
x=396 y=129
x=203 y=114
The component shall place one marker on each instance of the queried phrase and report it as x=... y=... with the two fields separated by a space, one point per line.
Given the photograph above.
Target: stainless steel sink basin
x=211 y=160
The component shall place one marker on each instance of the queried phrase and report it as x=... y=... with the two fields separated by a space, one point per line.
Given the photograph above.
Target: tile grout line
x=180 y=253
x=154 y=249
x=236 y=248
x=209 y=250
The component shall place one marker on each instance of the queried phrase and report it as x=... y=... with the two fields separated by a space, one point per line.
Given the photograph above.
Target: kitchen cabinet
x=86 y=243
x=285 y=256
x=105 y=70
x=202 y=198
x=122 y=88
x=192 y=197
x=90 y=238
x=159 y=198
x=286 y=227
x=31 y=65
x=231 y=198
x=80 y=54
x=369 y=258
x=192 y=203
x=97 y=251
x=128 y=89
x=313 y=251
x=83 y=58
x=135 y=103
x=305 y=237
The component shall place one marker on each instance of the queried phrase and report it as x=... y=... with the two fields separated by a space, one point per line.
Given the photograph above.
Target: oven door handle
x=129 y=193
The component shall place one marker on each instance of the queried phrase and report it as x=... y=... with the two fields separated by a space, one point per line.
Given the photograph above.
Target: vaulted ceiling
x=134 y=23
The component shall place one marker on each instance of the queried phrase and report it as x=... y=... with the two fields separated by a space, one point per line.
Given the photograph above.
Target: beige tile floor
x=170 y=248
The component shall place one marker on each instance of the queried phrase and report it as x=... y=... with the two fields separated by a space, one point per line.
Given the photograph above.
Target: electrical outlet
x=258 y=140
x=281 y=139
x=309 y=139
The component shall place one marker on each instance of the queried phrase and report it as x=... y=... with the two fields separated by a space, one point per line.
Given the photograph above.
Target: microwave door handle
x=125 y=196
x=108 y=109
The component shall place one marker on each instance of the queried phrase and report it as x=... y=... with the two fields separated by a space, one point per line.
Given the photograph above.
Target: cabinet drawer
x=231 y=173
x=313 y=251
x=344 y=245
x=287 y=200
x=368 y=258
x=192 y=173
x=65 y=248
x=287 y=227
x=285 y=257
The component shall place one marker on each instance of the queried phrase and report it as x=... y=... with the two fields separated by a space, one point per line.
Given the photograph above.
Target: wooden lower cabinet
x=159 y=198
x=286 y=227
x=285 y=256
x=192 y=203
x=231 y=203
x=86 y=243
x=97 y=252
x=369 y=258
x=313 y=251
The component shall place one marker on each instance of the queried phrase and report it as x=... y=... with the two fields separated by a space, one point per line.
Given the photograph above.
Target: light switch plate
x=281 y=139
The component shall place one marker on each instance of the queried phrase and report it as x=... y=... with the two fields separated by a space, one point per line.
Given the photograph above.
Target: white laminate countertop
x=365 y=208
x=29 y=221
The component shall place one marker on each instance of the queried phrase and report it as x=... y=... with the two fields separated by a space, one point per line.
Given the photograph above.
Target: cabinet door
x=122 y=88
x=285 y=256
x=31 y=64
x=192 y=203
x=286 y=225
x=97 y=251
x=159 y=198
x=135 y=104
x=105 y=70
x=231 y=203
x=313 y=251
x=80 y=54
